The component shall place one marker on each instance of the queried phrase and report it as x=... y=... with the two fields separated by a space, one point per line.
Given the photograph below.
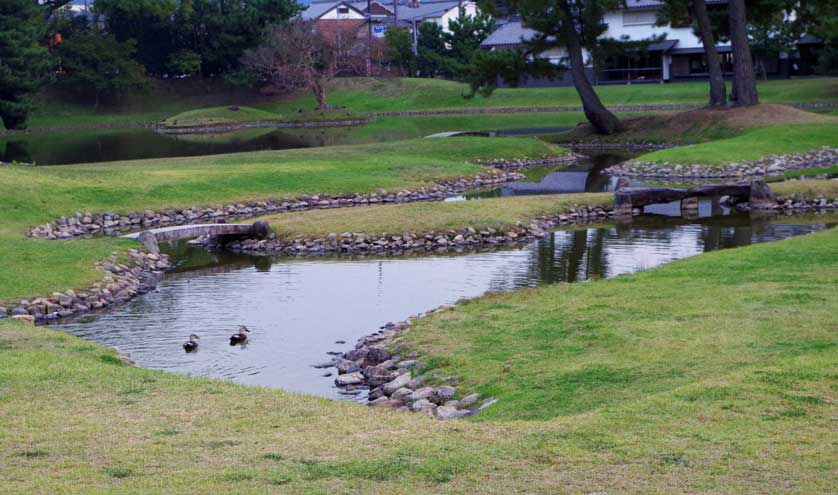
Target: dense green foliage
x=24 y=62
x=173 y=35
x=98 y=66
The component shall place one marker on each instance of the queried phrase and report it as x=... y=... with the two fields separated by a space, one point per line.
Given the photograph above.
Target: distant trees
x=295 y=56
x=24 y=62
x=98 y=66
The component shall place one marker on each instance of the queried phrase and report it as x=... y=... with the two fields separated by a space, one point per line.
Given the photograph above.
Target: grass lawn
x=376 y=95
x=425 y=217
x=752 y=144
x=35 y=195
x=649 y=383
x=219 y=116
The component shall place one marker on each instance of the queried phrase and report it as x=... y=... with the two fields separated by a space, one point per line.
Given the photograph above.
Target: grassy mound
x=323 y=115
x=699 y=125
x=649 y=383
x=219 y=116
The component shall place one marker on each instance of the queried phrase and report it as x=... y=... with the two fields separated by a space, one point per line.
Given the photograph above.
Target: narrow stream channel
x=299 y=309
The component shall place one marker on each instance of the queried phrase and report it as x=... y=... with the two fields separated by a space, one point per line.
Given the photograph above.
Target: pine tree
x=24 y=63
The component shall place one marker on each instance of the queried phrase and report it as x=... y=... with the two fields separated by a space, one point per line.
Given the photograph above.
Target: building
x=331 y=15
x=678 y=56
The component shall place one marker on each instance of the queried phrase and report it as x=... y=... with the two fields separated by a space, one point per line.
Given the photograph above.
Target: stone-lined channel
x=301 y=308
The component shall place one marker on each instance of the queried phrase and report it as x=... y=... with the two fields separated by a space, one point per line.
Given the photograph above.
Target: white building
x=679 y=56
x=405 y=13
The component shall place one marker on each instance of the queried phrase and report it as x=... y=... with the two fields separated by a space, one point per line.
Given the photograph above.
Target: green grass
x=751 y=144
x=35 y=195
x=219 y=116
x=426 y=217
x=376 y=95
x=649 y=383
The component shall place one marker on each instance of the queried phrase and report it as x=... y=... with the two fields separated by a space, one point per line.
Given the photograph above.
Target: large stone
x=443 y=394
x=28 y=319
x=422 y=393
x=357 y=354
x=423 y=405
x=345 y=366
x=350 y=379
x=761 y=197
x=448 y=412
x=386 y=402
x=468 y=400
x=376 y=355
x=397 y=383
x=402 y=394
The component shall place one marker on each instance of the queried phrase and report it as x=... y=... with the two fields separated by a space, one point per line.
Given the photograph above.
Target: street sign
x=379 y=31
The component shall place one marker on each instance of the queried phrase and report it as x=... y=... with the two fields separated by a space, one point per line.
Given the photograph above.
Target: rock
x=356 y=354
x=468 y=400
x=345 y=366
x=422 y=393
x=376 y=355
x=486 y=404
x=423 y=405
x=19 y=311
x=397 y=383
x=386 y=402
x=402 y=394
x=447 y=412
x=443 y=394
x=349 y=379
x=376 y=393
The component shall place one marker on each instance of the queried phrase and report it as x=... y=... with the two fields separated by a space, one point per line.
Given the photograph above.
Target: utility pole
x=395 y=13
x=369 y=38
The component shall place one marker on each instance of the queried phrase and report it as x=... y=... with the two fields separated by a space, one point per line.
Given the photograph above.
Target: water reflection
x=299 y=308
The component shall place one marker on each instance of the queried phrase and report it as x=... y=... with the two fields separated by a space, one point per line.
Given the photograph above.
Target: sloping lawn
x=752 y=144
x=714 y=374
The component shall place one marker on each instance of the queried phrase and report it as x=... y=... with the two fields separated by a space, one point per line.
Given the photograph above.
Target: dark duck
x=191 y=344
x=239 y=337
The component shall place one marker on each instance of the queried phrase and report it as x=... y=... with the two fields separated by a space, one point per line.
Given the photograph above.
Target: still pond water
x=299 y=308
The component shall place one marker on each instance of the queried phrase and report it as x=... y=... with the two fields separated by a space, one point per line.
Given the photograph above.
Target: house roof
x=427 y=9
x=510 y=34
x=317 y=10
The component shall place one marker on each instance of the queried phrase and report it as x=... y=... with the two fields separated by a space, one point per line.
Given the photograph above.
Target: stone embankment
x=274 y=124
x=772 y=165
x=393 y=376
x=113 y=224
x=465 y=237
x=122 y=281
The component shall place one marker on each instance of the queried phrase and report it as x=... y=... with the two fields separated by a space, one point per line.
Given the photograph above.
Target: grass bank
x=648 y=383
x=235 y=115
x=36 y=195
x=379 y=95
x=752 y=144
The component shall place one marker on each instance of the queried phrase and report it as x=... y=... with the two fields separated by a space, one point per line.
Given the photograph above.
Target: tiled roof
x=509 y=34
x=425 y=10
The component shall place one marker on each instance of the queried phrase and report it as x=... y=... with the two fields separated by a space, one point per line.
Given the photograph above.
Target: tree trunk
x=603 y=121
x=714 y=66
x=320 y=94
x=744 y=82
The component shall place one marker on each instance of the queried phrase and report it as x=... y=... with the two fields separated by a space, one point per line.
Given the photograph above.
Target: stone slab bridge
x=151 y=238
x=756 y=193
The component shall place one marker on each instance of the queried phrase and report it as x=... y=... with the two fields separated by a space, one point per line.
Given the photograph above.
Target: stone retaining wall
x=214 y=129
x=771 y=165
x=121 y=282
x=113 y=224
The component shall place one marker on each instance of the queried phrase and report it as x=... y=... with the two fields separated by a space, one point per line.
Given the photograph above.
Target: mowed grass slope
x=381 y=95
x=35 y=195
x=649 y=383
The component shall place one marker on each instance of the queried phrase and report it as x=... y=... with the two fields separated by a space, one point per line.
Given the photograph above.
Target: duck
x=239 y=337
x=191 y=344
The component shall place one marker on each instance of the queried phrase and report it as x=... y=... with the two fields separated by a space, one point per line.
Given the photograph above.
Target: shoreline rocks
x=121 y=282
x=465 y=237
x=88 y=224
x=772 y=165
x=396 y=380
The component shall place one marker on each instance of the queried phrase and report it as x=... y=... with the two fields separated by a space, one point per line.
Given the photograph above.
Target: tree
x=99 y=66
x=744 y=80
x=674 y=10
x=25 y=65
x=295 y=56
x=400 y=50
x=569 y=24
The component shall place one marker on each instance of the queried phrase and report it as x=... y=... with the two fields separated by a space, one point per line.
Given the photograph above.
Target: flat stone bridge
x=756 y=193
x=151 y=238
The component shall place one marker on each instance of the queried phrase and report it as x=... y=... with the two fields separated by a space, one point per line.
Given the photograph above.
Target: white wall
x=333 y=14
x=469 y=7
x=616 y=29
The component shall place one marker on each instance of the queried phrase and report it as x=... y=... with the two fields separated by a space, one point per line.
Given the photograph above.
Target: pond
x=301 y=308
x=138 y=143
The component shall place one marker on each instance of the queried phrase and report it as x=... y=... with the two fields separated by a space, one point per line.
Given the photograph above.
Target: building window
x=343 y=10
x=639 y=17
